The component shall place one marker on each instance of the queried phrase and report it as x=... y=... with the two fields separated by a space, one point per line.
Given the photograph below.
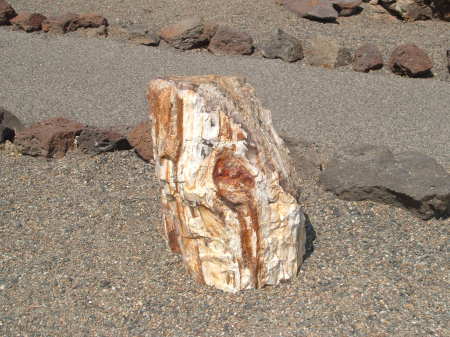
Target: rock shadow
x=310 y=238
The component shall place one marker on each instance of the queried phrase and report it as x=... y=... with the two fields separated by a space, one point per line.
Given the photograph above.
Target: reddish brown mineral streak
x=234 y=185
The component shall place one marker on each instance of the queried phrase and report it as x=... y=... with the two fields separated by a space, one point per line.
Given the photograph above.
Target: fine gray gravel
x=82 y=255
x=104 y=82
x=81 y=250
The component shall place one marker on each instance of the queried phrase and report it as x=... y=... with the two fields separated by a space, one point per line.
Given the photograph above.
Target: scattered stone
x=142 y=36
x=321 y=10
x=90 y=20
x=410 y=180
x=59 y=24
x=347 y=7
x=141 y=139
x=6 y=12
x=410 y=10
x=29 y=22
x=284 y=46
x=228 y=207
x=368 y=57
x=9 y=125
x=325 y=52
x=51 y=138
x=95 y=140
x=186 y=34
x=227 y=41
x=410 y=60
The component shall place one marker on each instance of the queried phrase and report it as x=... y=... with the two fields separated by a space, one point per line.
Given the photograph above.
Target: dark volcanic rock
x=95 y=140
x=410 y=60
x=227 y=41
x=6 y=12
x=321 y=10
x=186 y=34
x=50 y=138
x=59 y=24
x=410 y=180
x=29 y=22
x=141 y=139
x=284 y=46
x=9 y=125
x=367 y=58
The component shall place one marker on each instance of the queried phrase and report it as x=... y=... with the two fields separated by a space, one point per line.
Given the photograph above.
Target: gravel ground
x=91 y=261
x=80 y=240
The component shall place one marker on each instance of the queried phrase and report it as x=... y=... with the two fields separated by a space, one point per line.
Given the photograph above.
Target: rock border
x=195 y=33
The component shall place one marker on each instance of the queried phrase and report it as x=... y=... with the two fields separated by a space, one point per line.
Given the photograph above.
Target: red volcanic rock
x=29 y=22
x=6 y=12
x=90 y=20
x=227 y=41
x=59 y=24
x=322 y=10
x=141 y=139
x=367 y=58
x=410 y=60
x=50 y=138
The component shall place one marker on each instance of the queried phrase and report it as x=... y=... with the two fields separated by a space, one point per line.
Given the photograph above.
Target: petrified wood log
x=227 y=183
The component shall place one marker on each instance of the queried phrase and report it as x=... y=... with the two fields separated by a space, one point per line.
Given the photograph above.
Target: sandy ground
x=81 y=251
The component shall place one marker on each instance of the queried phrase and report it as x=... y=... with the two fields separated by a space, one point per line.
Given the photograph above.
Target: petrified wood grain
x=227 y=183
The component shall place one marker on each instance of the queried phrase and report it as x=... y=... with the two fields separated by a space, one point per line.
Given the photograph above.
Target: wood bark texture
x=227 y=183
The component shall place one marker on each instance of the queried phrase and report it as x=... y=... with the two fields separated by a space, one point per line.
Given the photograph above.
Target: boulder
x=96 y=140
x=227 y=183
x=51 y=138
x=7 y=12
x=410 y=60
x=141 y=139
x=367 y=57
x=59 y=24
x=29 y=22
x=321 y=10
x=282 y=45
x=410 y=180
x=327 y=53
x=227 y=41
x=186 y=34
x=9 y=125
x=347 y=7
x=142 y=36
